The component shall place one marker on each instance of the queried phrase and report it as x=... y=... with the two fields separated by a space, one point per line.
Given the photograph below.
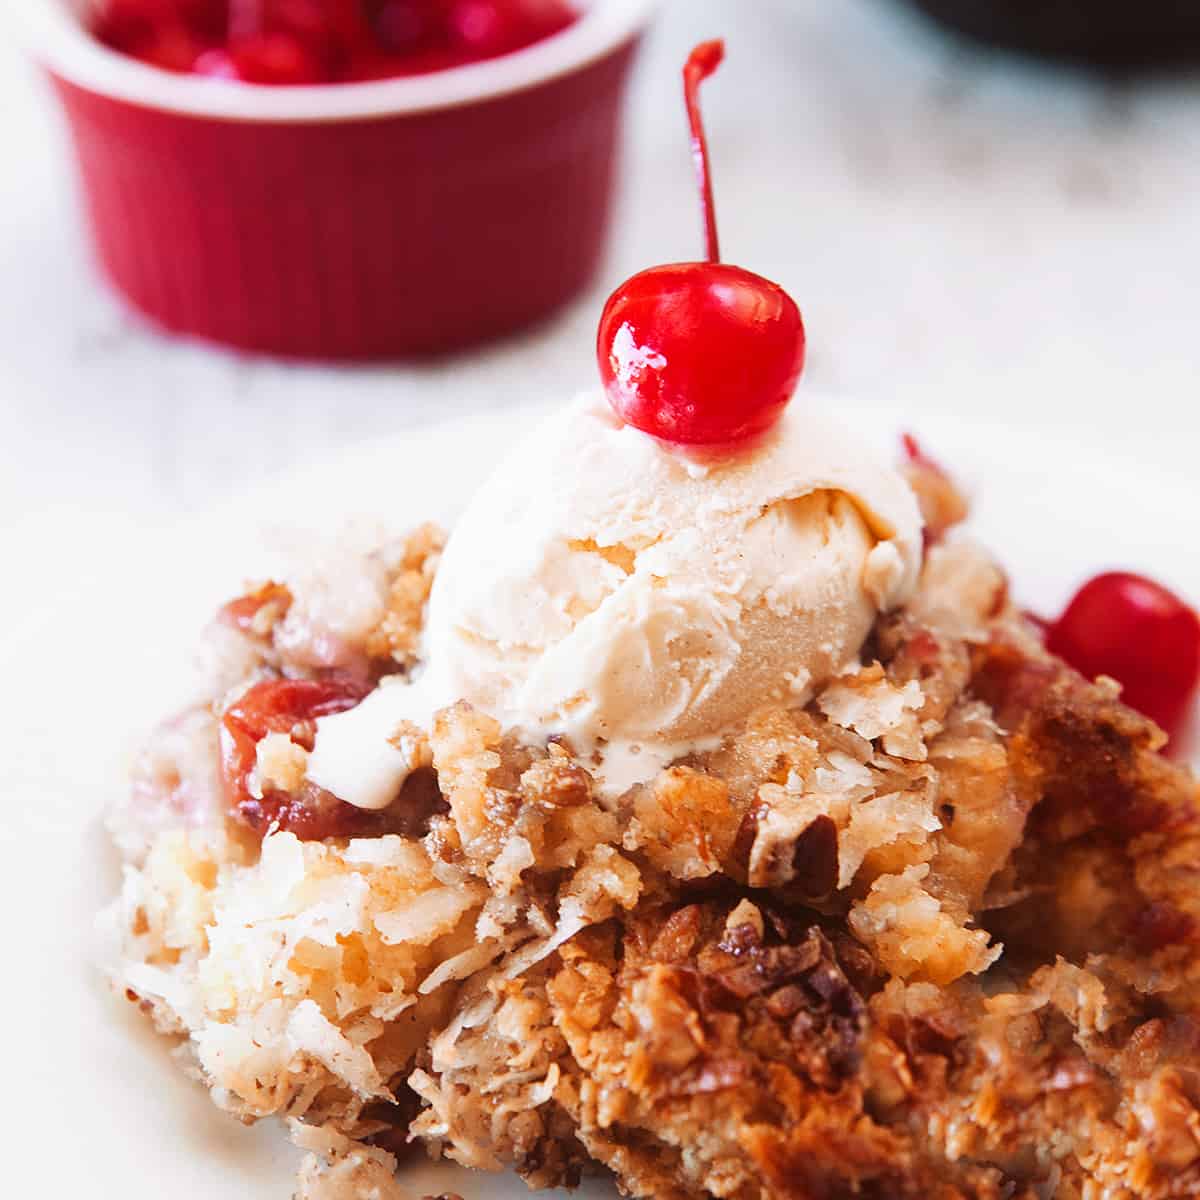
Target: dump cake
x=703 y=811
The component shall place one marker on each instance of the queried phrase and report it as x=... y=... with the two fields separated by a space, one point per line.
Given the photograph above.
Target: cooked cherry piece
x=293 y=706
x=701 y=353
x=288 y=706
x=1139 y=633
x=278 y=58
x=296 y=42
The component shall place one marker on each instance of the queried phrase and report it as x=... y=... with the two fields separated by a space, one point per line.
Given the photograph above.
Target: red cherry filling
x=292 y=707
x=164 y=33
x=246 y=612
x=216 y=64
x=1140 y=634
x=323 y=41
x=278 y=58
x=700 y=353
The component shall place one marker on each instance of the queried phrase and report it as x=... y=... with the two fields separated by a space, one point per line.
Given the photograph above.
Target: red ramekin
x=351 y=221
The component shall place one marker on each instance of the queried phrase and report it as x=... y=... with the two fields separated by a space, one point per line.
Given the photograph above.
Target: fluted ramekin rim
x=56 y=36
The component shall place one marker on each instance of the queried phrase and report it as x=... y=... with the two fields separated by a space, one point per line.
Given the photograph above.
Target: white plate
x=98 y=1109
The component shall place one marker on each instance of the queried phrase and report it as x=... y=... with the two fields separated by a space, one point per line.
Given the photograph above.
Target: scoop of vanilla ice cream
x=604 y=587
x=608 y=588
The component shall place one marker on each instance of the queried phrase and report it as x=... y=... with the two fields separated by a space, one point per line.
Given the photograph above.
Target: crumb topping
x=934 y=934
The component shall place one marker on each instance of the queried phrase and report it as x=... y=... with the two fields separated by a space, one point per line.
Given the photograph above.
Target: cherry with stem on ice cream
x=1138 y=633
x=701 y=353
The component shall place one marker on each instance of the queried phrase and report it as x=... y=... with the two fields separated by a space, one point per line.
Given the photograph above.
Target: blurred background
x=966 y=231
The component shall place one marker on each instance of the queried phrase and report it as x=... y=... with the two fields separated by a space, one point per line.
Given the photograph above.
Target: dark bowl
x=1144 y=34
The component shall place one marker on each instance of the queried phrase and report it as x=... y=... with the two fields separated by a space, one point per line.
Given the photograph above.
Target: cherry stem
x=701 y=63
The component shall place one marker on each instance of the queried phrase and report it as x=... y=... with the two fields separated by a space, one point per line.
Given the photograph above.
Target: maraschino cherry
x=1138 y=633
x=701 y=353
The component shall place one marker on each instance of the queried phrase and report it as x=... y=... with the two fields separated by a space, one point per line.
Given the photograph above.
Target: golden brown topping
x=557 y=782
x=397 y=635
x=934 y=937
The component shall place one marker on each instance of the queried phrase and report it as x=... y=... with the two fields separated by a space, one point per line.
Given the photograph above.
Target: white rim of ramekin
x=58 y=40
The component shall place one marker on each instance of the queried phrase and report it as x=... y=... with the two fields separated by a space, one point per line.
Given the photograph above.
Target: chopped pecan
x=556 y=782
x=678 y=936
x=815 y=859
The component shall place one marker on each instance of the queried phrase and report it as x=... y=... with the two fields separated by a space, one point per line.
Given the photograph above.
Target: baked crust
x=932 y=936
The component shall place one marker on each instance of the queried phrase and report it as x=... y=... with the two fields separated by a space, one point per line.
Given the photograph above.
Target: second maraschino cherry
x=701 y=353
x=1139 y=633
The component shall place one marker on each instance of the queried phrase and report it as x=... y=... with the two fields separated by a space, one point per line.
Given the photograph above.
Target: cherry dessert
x=324 y=41
x=701 y=353
x=1140 y=634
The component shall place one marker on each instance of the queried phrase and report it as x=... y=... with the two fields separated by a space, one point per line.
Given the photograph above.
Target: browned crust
x=935 y=935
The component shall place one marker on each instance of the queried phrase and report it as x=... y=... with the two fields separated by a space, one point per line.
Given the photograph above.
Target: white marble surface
x=963 y=233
